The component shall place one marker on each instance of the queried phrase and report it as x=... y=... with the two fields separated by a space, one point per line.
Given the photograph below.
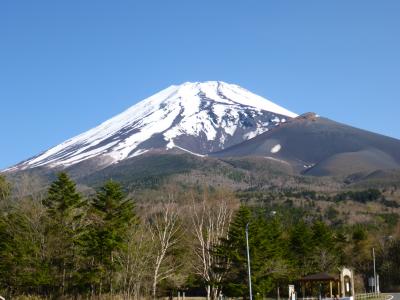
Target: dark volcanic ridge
x=318 y=146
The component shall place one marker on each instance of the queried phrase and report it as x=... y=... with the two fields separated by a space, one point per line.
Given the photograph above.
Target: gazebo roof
x=320 y=277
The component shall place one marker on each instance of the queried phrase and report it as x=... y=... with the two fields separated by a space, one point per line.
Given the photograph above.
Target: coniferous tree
x=233 y=252
x=112 y=215
x=269 y=263
x=300 y=247
x=391 y=274
x=65 y=215
x=266 y=244
x=24 y=264
x=325 y=253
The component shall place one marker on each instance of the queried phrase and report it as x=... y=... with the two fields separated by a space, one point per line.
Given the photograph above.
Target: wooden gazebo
x=321 y=278
x=342 y=283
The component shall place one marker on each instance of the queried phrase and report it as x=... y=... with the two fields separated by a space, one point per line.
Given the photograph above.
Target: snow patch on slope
x=276 y=148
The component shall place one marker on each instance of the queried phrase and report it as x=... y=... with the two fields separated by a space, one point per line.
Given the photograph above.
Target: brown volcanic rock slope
x=321 y=147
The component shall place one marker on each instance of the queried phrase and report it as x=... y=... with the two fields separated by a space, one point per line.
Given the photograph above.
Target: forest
x=64 y=243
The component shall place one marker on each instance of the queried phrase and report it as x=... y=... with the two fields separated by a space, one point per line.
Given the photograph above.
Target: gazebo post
x=303 y=290
x=330 y=288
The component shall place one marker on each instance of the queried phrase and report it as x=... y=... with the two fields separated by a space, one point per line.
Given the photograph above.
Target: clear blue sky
x=66 y=66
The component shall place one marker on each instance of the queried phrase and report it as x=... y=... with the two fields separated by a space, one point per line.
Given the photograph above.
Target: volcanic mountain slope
x=318 y=146
x=198 y=118
x=219 y=120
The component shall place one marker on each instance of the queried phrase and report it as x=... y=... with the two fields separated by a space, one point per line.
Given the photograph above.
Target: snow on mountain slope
x=196 y=117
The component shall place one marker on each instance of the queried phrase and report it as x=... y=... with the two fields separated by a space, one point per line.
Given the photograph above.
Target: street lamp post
x=375 y=283
x=248 y=260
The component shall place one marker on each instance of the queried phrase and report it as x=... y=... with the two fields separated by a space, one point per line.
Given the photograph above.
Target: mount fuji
x=197 y=118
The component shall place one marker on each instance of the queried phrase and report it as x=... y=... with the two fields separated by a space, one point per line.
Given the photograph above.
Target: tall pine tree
x=233 y=249
x=300 y=248
x=65 y=215
x=267 y=252
x=112 y=214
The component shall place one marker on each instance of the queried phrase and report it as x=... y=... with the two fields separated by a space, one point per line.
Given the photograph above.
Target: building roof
x=320 y=277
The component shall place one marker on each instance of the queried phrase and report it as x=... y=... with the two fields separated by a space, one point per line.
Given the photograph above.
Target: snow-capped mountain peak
x=199 y=118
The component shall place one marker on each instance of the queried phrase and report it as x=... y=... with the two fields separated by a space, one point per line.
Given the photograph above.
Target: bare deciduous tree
x=136 y=260
x=29 y=186
x=165 y=231
x=210 y=223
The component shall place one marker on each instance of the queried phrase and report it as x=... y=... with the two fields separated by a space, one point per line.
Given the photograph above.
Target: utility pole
x=248 y=260
x=373 y=256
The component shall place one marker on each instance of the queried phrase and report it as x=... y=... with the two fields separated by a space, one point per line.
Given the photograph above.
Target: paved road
x=395 y=296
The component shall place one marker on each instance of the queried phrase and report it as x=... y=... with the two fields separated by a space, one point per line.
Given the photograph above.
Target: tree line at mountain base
x=61 y=244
